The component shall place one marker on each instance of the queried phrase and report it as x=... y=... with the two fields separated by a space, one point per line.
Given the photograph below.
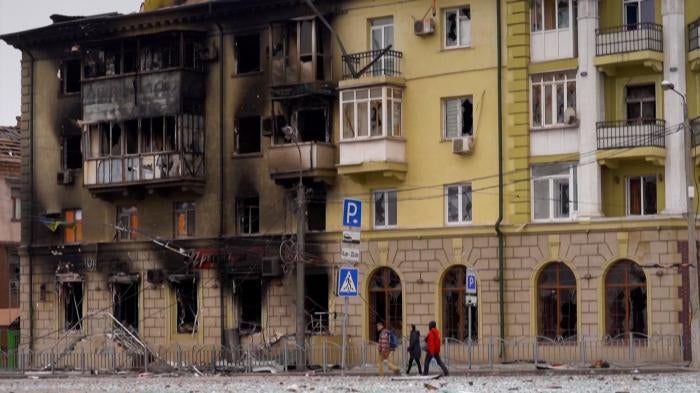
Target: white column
x=674 y=71
x=591 y=101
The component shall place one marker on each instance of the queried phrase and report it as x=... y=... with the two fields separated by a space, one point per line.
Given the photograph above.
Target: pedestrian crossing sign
x=348 y=282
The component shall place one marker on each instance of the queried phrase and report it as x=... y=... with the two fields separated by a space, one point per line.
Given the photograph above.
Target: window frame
x=569 y=77
x=237 y=53
x=16 y=205
x=625 y=3
x=459 y=44
x=386 y=101
x=460 y=120
x=64 y=76
x=77 y=231
x=385 y=290
x=198 y=304
x=242 y=205
x=459 y=187
x=386 y=193
x=187 y=208
x=628 y=195
x=541 y=17
x=573 y=190
x=558 y=288
x=132 y=212
x=640 y=102
x=237 y=143
x=462 y=318
x=626 y=286
x=79 y=309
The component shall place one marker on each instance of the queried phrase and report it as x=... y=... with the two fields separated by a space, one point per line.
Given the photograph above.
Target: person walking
x=385 y=349
x=433 y=349
x=414 y=350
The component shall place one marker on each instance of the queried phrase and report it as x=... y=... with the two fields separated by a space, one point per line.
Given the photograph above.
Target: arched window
x=455 y=317
x=385 y=301
x=625 y=300
x=556 y=302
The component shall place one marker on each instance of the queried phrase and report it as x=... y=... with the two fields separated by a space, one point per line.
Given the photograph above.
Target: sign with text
x=350 y=254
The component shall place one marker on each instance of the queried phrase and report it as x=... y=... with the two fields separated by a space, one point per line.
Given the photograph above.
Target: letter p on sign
x=352 y=213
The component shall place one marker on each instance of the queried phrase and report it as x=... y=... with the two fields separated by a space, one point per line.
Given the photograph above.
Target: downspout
x=499 y=233
x=221 y=173
x=27 y=218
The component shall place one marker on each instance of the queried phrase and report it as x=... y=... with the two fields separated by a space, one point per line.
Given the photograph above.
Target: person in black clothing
x=414 y=349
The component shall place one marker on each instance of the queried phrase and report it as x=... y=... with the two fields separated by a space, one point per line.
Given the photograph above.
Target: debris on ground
x=600 y=364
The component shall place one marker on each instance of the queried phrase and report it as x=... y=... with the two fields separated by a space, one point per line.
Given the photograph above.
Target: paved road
x=632 y=383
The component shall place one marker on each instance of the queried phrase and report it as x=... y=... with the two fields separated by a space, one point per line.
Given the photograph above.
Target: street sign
x=350 y=254
x=352 y=213
x=351 y=237
x=348 y=280
x=470 y=300
x=471 y=282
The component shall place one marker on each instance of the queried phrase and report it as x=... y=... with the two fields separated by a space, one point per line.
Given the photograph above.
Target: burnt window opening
x=298 y=52
x=125 y=298
x=316 y=302
x=248 y=135
x=184 y=219
x=72 y=297
x=312 y=125
x=127 y=223
x=250 y=303
x=316 y=209
x=71 y=76
x=247 y=49
x=72 y=154
x=187 y=311
x=248 y=212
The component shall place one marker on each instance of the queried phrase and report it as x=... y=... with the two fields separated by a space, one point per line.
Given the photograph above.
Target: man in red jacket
x=432 y=350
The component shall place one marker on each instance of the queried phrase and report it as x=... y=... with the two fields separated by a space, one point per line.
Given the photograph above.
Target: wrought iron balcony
x=623 y=134
x=629 y=38
x=694 y=35
x=388 y=64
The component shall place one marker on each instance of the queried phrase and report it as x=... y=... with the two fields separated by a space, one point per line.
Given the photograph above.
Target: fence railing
x=325 y=356
x=629 y=38
x=694 y=35
x=388 y=64
x=624 y=134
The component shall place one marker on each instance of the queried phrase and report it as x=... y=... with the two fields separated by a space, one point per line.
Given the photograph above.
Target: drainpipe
x=499 y=233
x=30 y=208
x=221 y=170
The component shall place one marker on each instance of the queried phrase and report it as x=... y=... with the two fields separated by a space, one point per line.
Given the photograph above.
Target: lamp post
x=694 y=296
x=292 y=134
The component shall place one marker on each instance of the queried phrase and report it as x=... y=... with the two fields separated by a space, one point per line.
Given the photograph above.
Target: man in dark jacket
x=433 y=349
x=414 y=349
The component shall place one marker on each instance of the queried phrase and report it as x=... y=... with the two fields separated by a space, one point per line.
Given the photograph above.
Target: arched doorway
x=385 y=301
x=455 y=317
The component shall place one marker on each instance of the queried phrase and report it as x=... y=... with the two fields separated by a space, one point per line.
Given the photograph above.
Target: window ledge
x=246 y=155
x=458 y=224
x=449 y=140
x=556 y=127
x=373 y=138
x=446 y=49
x=387 y=228
x=247 y=74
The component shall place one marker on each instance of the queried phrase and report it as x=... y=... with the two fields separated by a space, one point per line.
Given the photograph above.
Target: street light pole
x=694 y=295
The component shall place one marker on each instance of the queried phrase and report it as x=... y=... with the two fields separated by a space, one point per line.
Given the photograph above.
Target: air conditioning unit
x=271 y=267
x=64 y=178
x=424 y=27
x=463 y=145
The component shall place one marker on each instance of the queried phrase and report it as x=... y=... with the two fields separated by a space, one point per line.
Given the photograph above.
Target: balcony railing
x=143 y=168
x=694 y=35
x=629 y=38
x=283 y=160
x=389 y=64
x=624 y=134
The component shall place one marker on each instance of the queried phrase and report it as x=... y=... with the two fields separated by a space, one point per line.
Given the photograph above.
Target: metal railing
x=389 y=64
x=143 y=167
x=694 y=35
x=325 y=356
x=629 y=38
x=622 y=134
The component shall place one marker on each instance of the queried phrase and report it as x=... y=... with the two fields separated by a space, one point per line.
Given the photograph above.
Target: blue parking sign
x=471 y=282
x=352 y=213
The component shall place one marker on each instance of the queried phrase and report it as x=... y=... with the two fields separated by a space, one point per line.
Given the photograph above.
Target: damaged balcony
x=694 y=45
x=629 y=45
x=317 y=162
x=374 y=67
x=625 y=139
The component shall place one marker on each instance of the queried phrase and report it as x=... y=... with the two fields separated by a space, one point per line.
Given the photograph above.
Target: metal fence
x=624 y=134
x=374 y=62
x=486 y=353
x=629 y=38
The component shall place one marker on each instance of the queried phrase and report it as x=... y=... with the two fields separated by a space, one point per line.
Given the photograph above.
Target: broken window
x=458 y=201
x=382 y=34
x=160 y=52
x=554 y=191
x=247 y=53
x=72 y=157
x=70 y=76
x=71 y=293
x=248 y=135
x=458 y=117
x=641 y=195
x=385 y=208
x=127 y=223
x=641 y=104
x=363 y=112
x=553 y=99
x=184 y=219
x=458 y=30
x=316 y=304
x=248 y=211
x=385 y=300
x=250 y=303
x=186 y=305
x=312 y=125
x=16 y=204
x=125 y=300
x=556 y=302
x=316 y=210
x=298 y=52
x=73 y=232
x=455 y=310
x=625 y=300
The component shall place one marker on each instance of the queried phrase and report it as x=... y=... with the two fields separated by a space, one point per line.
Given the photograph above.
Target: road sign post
x=470 y=300
x=348 y=280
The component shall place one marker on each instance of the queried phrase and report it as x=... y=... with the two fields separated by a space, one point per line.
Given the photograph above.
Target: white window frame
x=641 y=199
x=552 y=80
x=624 y=11
x=382 y=25
x=459 y=33
x=459 y=188
x=460 y=120
x=540 y=18
x=390 y=96
x=573 y=190
x=386 y=193
x=247 y=211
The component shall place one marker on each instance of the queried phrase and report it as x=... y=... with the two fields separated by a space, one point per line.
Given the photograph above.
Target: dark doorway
x=250 y=300
x=316 y=303
x=125 y=297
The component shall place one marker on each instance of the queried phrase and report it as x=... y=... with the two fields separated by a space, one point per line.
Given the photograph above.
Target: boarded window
x=184 y=219
x=248 y=135
x=247 y=53
x=73 y=232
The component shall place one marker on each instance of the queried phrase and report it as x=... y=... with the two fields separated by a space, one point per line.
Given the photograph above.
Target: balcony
x=374 y=67
x=629 y=45
x=694 y=45
x=625 y=139
x=317 y=162
x=384 y=156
